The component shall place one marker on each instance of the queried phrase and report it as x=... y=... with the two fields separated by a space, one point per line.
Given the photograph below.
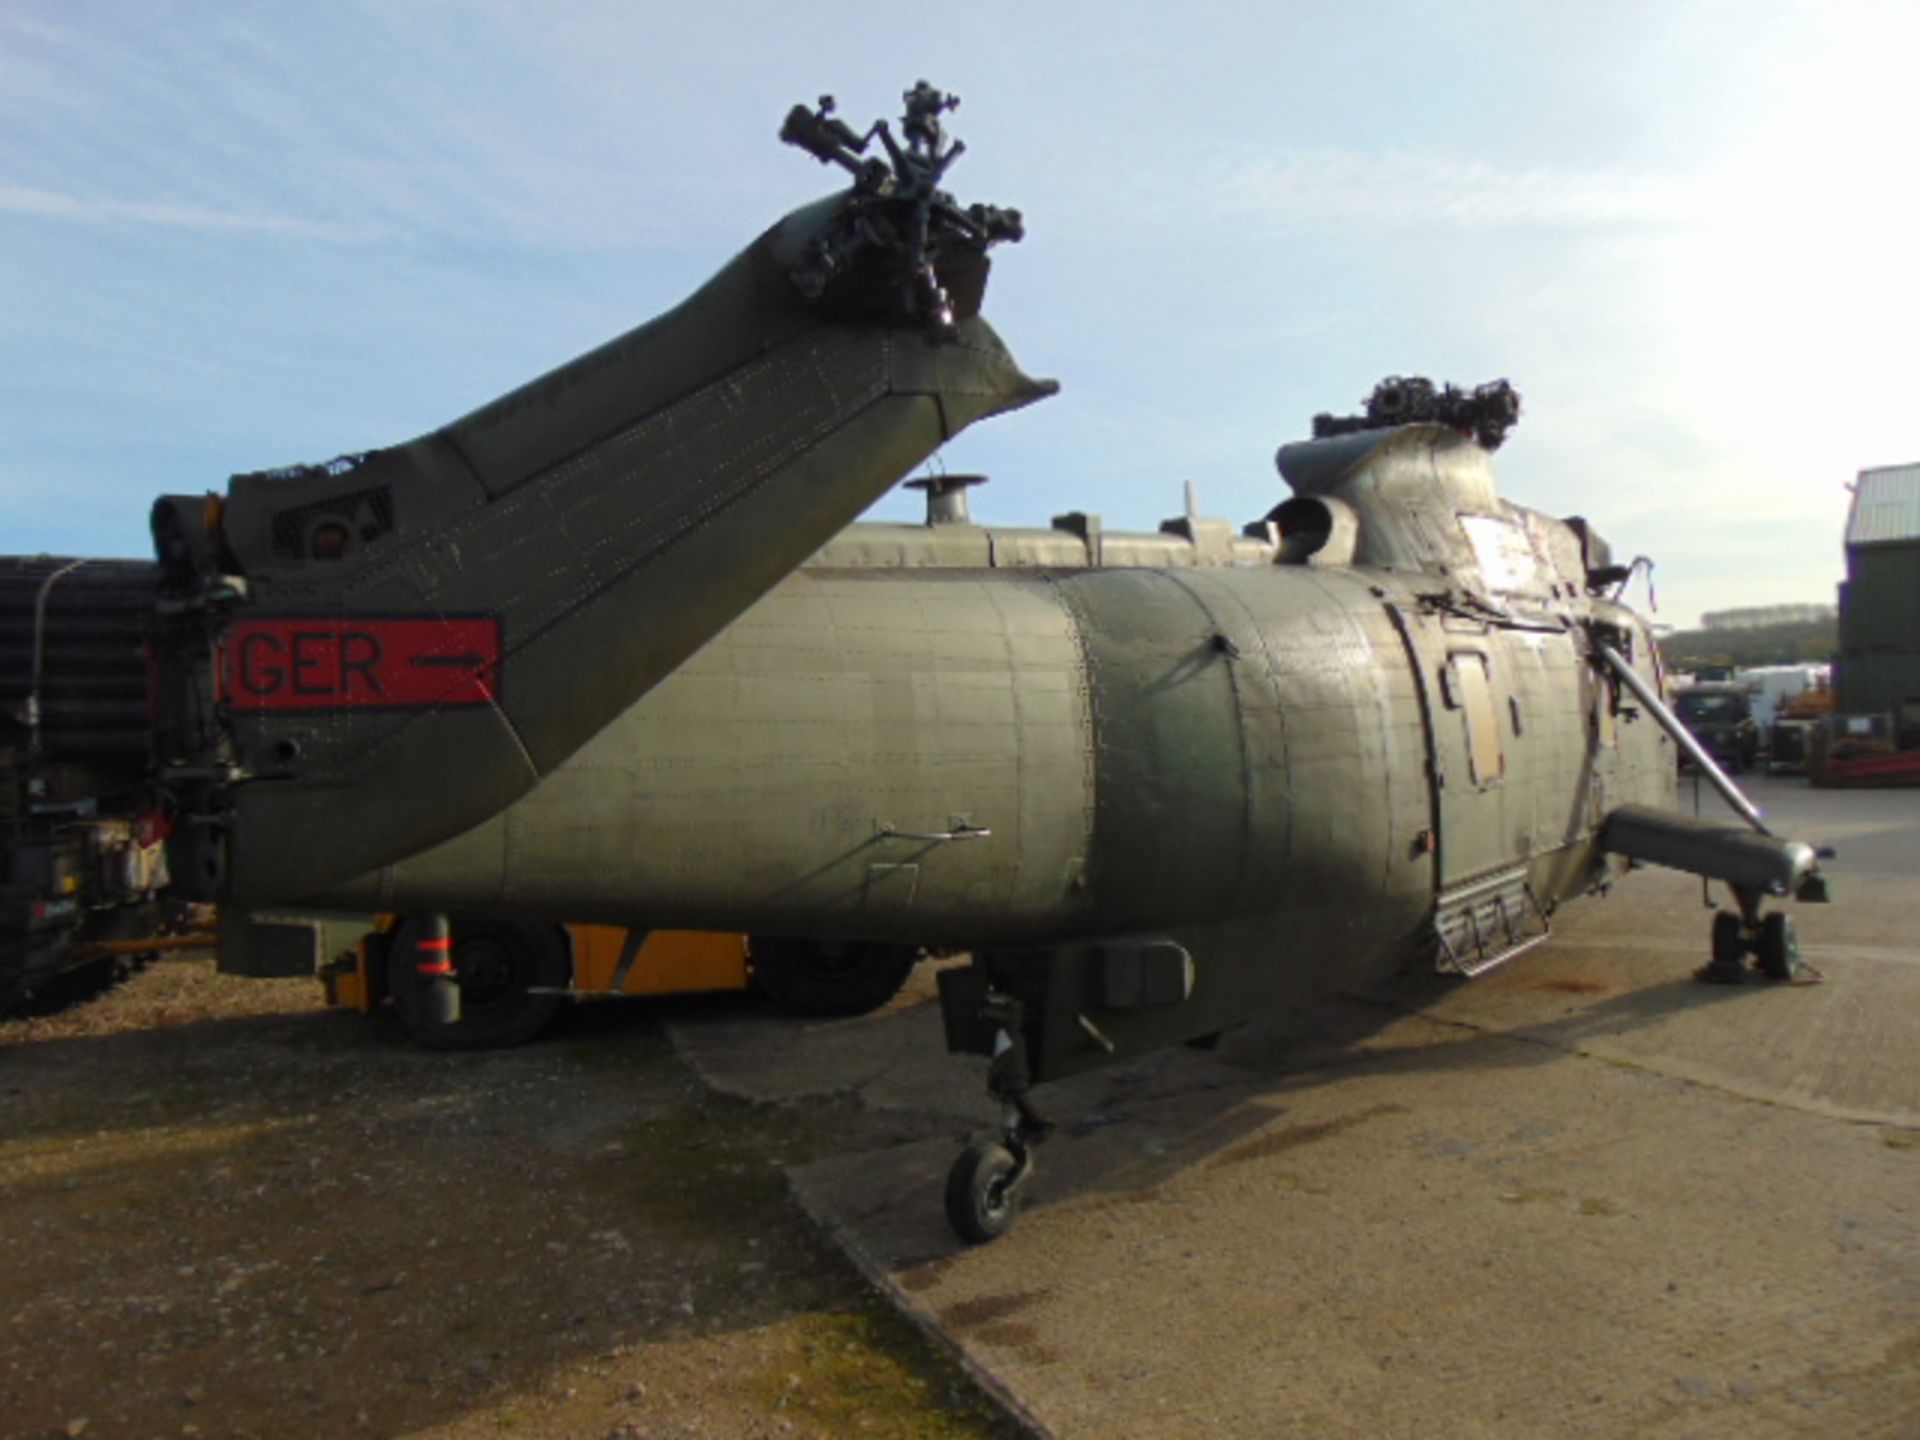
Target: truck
x=1720 y=716
x=83 y=868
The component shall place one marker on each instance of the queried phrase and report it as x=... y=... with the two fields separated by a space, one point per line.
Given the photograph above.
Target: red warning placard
x=361 y=664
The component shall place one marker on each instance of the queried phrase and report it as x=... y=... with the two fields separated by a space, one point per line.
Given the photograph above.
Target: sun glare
x=1797 y=295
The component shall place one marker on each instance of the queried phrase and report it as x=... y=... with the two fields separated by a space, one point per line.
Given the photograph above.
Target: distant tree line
x=1803 y=642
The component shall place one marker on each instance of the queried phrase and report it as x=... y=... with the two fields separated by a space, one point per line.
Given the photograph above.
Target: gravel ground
x=225 y=1211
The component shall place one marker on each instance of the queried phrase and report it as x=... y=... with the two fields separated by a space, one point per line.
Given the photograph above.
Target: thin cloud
x=55 y=205
x=1407 y=191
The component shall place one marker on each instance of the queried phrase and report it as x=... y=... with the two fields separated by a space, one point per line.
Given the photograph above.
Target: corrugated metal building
x=1879 y=663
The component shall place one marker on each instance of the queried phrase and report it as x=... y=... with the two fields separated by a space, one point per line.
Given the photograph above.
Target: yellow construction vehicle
x=516 y=976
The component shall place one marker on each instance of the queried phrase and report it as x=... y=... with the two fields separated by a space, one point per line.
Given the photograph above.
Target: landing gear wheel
x=1729 y=948
x=830 y=977
x=1779 y=953
x=981 y=1198
x=510 y=977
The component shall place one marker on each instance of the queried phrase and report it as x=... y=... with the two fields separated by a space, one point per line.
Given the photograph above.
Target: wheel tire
x=497 y=966
x=1728 y=946
x=828 y=977
x=1779 y=957
x=978 y=1206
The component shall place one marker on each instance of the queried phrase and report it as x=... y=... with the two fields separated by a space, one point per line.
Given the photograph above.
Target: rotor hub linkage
x=1485 y=412
x=897 y=208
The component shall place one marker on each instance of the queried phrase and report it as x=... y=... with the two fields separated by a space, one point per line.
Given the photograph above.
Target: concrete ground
x=1582 y=1196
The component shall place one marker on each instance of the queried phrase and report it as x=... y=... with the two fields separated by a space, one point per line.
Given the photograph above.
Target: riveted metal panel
x=1170 y=807
x=808 y=746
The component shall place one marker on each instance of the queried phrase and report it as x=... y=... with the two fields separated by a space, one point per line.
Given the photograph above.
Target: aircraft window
x=1472 y=691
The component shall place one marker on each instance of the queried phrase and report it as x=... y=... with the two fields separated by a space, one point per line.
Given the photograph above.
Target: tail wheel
x=830 y=977
x=512 y=981
x=982 y=1199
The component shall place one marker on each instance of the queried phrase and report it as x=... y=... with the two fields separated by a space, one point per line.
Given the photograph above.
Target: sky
x=240 y=235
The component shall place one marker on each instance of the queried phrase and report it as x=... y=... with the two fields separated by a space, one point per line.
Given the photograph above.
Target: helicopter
x=612 y=648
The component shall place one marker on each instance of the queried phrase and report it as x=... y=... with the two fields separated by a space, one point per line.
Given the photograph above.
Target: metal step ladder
x=1487 y=922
